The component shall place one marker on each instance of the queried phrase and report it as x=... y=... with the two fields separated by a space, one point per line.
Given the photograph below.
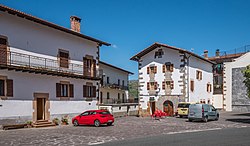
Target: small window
x=192 y=86
x=198 y=75
x=89 y=91
x=107 y=95
x=122 y=82
x=64 y=90
x=118 y=82
x=209 y=88
x=2 y=88
x=3 y=41
x=159 y=53
x=107 y=80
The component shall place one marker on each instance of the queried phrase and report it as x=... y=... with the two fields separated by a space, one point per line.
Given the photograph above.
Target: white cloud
x=114 y=46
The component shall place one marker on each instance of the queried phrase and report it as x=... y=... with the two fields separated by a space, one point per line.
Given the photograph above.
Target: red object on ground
x=93 y=117
x=159 y=114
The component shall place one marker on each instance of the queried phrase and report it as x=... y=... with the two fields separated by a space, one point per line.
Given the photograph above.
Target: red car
x=94 y=117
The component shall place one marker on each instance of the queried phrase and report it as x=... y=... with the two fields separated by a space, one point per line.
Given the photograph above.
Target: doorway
x=152 y=105
x=168 y=108
x=41 y=108
x=3 y=50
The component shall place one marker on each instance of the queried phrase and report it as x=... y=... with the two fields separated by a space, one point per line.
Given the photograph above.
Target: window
x=118 y=96
x=209 y=87
x=3 y=41
x=64 y=58
x=167 y=68
x=85 y=114
x=192 y=86
x=118 y=82
x=152 y=70
x=152 y=85
x=198 y=75
x=123 y=98
x=2 y=84
x=6 y=87
x=64 y=89
x=108 y=95
x=89 y=91
x=169 y=85
x=122 y=82
x=89 y=65
x=159 y=53
x=107 y=80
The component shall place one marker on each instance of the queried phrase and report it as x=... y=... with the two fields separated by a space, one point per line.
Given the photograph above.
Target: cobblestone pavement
x=124 y=128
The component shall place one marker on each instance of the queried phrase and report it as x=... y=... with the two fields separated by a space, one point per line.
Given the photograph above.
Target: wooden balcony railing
x=114 y=86
x=37 y=64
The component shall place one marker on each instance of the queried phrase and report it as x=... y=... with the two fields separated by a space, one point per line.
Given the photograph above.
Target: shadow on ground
x=239 y=120
x=242 y=114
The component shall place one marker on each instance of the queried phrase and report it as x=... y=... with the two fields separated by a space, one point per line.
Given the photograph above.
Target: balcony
x=112 y=101
x=41 y=65
x=114 y=86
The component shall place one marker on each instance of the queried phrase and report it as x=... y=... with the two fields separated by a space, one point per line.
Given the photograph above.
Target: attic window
x=159 y=53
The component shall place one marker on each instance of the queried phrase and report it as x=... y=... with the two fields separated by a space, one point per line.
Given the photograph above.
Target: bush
x=65 y=119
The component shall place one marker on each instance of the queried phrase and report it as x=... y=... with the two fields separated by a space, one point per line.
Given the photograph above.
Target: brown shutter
x=58 y=90
x=200 y=75
x=197 y=75
x=84 y=91
x=85 y=66
x=94 y=68
x=163 y=68
x=171 y=68
x=147 y=70
x=210 y=87
x=172 y=85
x=155 y=85
x=148 y=87
x=93 y=91
x=71 y=90
x=163 y=85
x=9 y=88
x=155 y=69
x=192 y=86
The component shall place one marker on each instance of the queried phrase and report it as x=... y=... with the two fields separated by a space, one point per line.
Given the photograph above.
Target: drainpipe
x=188 y=98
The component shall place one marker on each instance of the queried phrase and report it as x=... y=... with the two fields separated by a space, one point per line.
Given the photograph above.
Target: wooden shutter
x=155 y=69
x=155 y=85
x=9 y=88
x=85 y=71
x=58 y=90
x=84 y=91
x=197 y=75
x=93 y=91
x=163 y=68
x=163 y=85
x=171 y=68
x=64 y=58
x=71 y=90
x=172 y=84
x=147 y=70
x=148 y=86
x=200 y=75
x=94 y=68
x=210 y=87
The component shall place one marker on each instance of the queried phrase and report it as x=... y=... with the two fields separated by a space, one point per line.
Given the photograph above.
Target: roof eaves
x=52 y=25
x=116 y=67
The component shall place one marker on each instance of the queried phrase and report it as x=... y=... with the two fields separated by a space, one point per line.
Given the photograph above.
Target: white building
x=168 y=75
x=45 y=69
x=114 y=90
x=235 y=91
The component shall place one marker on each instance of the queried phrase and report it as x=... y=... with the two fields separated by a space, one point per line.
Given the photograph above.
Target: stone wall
x=240 y=99
x=174 y=99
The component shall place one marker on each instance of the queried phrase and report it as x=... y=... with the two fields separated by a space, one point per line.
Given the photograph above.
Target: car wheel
x=180 y=116
x=205 y=119
x=97 y=123
x=217 y=117
x=109 y=124
x=75 y=123
x=189 y=120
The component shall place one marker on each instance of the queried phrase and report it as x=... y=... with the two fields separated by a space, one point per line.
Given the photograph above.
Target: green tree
x=246 y=74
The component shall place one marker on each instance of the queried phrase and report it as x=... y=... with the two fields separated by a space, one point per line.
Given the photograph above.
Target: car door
x=212 y=112
x=83 y=118
x=92 y=117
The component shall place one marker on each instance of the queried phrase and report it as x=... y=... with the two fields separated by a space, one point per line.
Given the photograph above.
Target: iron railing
x=37 y=62
x=114 y=86
x=240 y=50
x=119 y=101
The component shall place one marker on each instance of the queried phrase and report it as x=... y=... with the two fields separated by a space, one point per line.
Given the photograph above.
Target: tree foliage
x=246 y=74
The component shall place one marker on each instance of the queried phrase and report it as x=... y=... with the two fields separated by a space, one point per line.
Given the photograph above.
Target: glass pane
x=1 y=87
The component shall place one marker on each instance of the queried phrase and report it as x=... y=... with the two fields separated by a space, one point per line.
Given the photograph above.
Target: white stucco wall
x=30 y=36
x=174 y=57
x=113 y=94
x=242 y=61
x=218 y=101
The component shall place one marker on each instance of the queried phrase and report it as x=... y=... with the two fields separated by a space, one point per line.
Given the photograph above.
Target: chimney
x=75 y=23
x=217 y=53
x=206 y=54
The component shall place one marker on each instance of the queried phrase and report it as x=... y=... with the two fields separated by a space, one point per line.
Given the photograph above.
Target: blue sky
x=133 y=25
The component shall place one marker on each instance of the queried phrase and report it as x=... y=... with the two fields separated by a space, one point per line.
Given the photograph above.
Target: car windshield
x=105 y=113
x=183 y=105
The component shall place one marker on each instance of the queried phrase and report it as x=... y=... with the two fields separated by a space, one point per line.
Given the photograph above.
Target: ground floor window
x=2 y=84
x=89 y=91
x=64 y=89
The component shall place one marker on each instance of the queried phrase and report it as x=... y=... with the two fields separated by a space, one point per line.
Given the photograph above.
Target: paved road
x=125 y=128
x=217 y=137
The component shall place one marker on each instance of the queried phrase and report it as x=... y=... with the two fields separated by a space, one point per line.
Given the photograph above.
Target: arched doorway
x=168 y=108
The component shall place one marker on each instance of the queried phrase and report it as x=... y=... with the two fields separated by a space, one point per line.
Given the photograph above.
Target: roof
x=156 y=45
x=225 y=58
x=49 y=24
x=104 y=63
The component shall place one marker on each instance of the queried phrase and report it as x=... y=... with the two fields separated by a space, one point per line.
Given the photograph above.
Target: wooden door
x=41 y=108
x=168 y=108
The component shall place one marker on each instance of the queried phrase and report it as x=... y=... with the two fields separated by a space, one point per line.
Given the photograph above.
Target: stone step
x=44 y=125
